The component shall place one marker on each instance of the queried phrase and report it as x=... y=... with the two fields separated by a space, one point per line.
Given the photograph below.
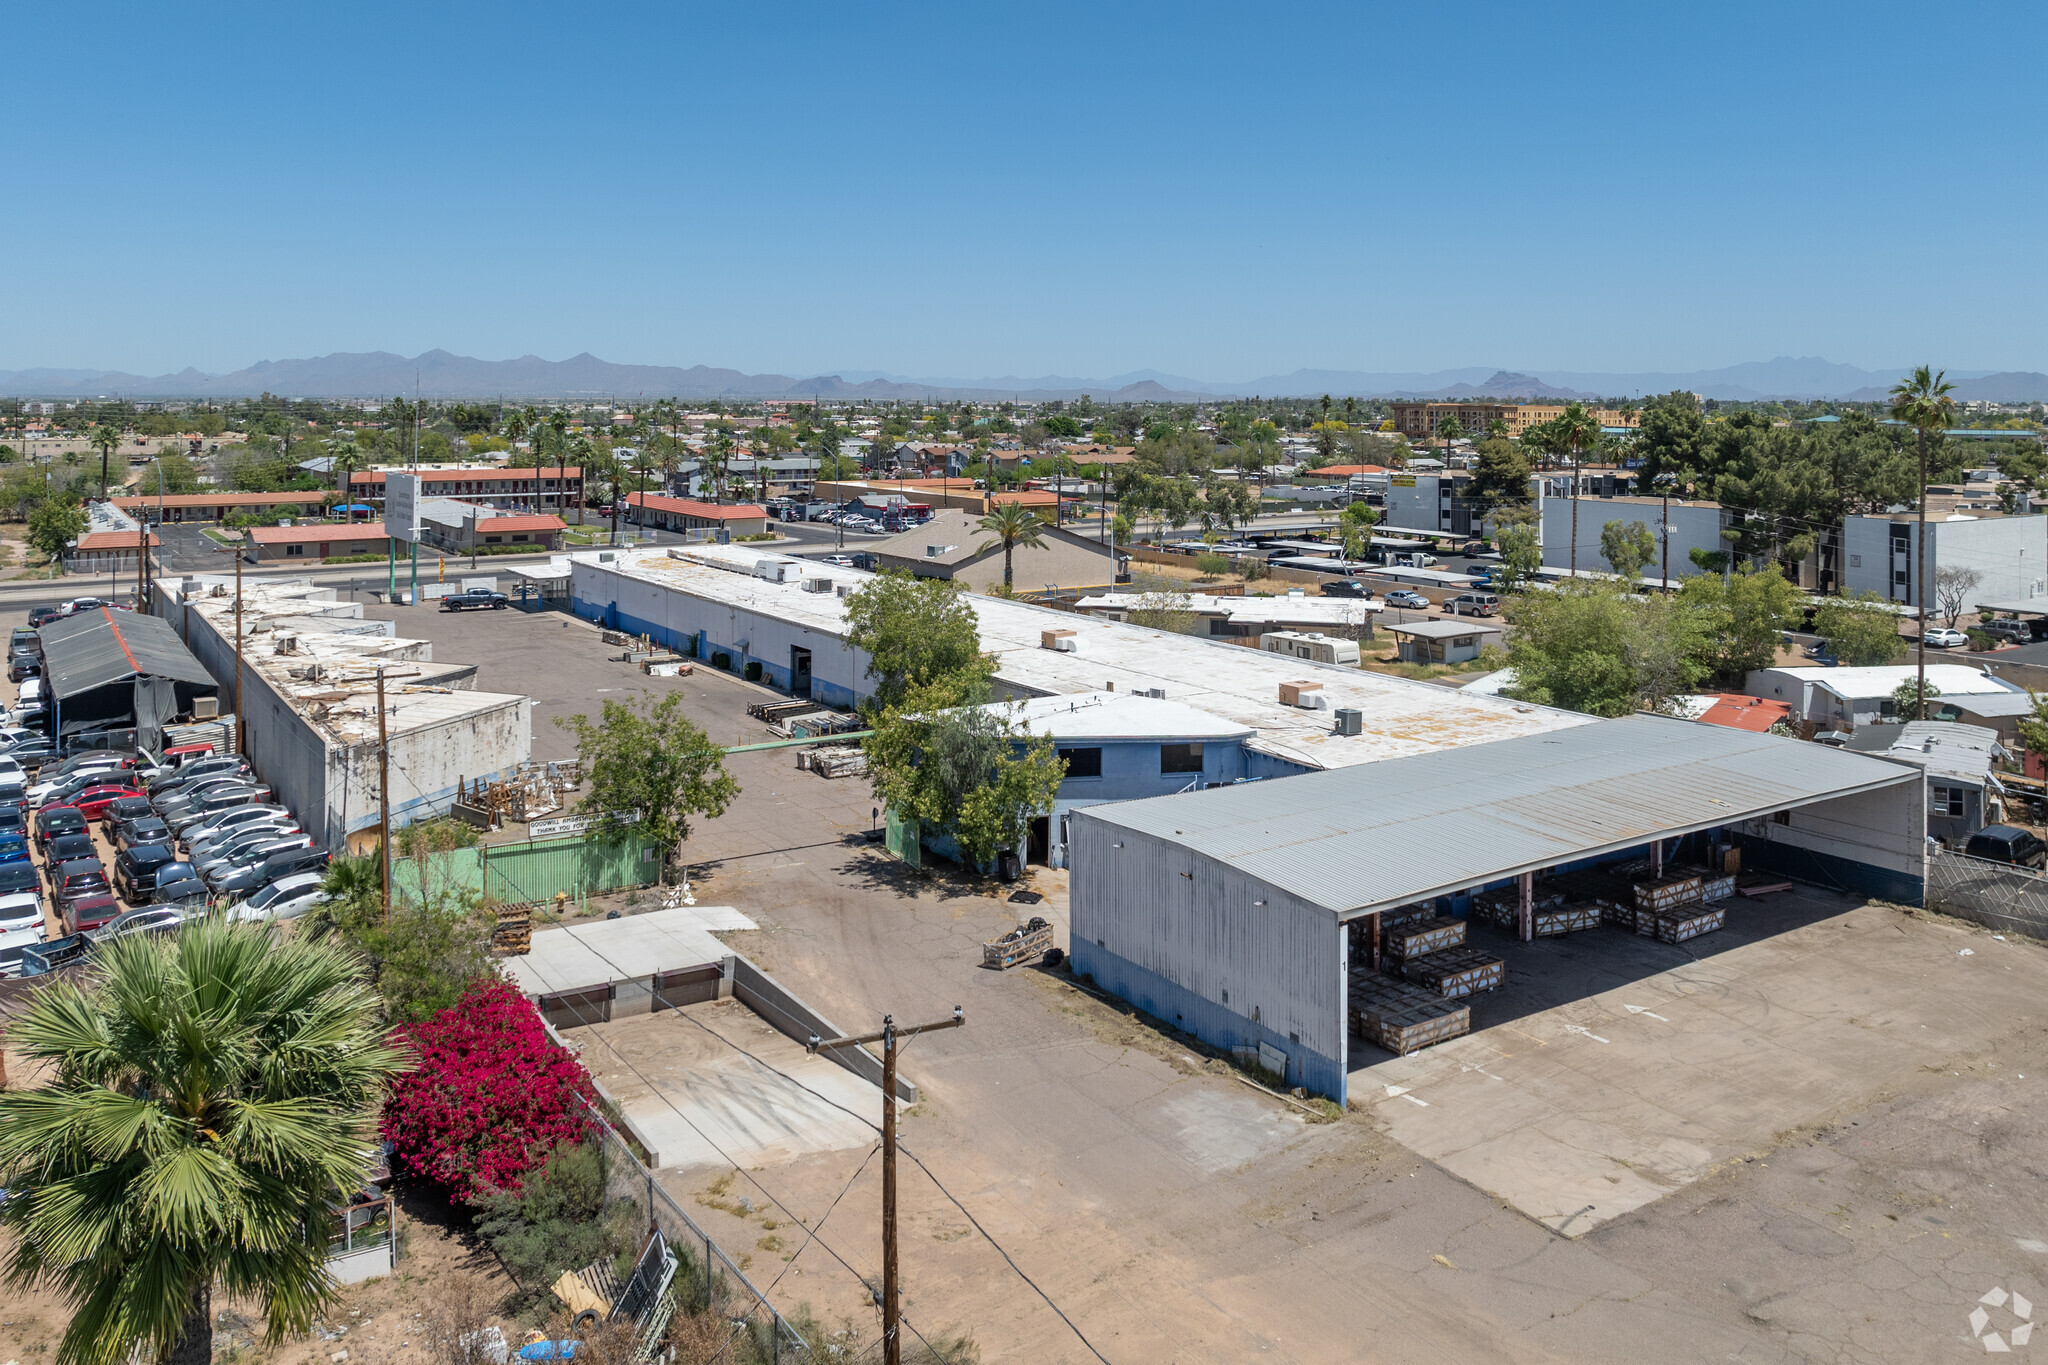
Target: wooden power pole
x=383 y=798
x=892 y=1340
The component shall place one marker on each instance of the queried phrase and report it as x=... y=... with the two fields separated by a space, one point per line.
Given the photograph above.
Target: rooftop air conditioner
x=844 y=589
x=1307 y=695
x=1350 y=720
x=1156 y=693
x=817 y=585
x=1062 y=640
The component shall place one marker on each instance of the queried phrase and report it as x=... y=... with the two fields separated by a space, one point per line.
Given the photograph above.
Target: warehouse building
x=309 y=708
x=1231 y=912
x=105 y=667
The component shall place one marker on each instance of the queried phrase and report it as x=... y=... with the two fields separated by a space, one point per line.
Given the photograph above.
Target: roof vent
x=1156 y=693
x=938 y=551
x=1306 y=695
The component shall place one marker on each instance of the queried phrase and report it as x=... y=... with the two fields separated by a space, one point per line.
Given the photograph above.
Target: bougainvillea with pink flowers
x=490 y=1093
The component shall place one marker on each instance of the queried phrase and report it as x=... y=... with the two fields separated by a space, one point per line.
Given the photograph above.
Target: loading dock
x=1233 y=913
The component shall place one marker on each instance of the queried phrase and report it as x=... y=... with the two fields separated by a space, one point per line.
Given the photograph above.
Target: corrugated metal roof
x=1391 y=832
x=102 y=646
x=1946 y=749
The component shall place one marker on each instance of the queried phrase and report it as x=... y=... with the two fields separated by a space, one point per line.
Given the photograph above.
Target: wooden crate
x=1400 y=1017
x=1618 y=914
x=1407 y=914
x=1422 y=937
x=1676 y=926
x=512 y=933
x=1569 y=920
x=1456 y=971
x=1668 y=894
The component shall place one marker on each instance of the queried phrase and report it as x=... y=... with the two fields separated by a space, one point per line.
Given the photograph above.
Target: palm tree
x=105 y=438
x=208 y=1108
x=585 y=454
x=558 y=427
x=1012 y=524
x=348 y=457
x=1573 y=431
x=1921 y=400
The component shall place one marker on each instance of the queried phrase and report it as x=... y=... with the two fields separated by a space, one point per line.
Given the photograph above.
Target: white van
x=1413 y=559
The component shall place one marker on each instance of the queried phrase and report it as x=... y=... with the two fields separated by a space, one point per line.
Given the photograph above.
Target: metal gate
x=1997 y=895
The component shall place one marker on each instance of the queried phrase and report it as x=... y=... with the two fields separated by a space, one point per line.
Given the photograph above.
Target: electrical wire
x=891 y=1099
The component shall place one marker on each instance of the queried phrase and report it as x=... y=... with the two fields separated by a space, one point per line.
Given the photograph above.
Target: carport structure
x=122 y=668
x=1230 y=912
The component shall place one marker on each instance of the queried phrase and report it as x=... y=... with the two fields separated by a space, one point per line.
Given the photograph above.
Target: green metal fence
x=535 y=871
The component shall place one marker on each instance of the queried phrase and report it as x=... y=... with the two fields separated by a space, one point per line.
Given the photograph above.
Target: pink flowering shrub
x=489 y=1096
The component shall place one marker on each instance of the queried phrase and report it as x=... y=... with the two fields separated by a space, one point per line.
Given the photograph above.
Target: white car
x=285 y=898
x=1941 y=637
x=21 y=910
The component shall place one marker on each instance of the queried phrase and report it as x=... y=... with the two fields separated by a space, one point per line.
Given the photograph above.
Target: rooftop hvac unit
x=1061 y=640
x=844 y=589
x=938 y=551
x=1156 y=693
x=1350 y=720
x=776 y=570
x=1307 y=695
x=817 y=585
x=206 y=708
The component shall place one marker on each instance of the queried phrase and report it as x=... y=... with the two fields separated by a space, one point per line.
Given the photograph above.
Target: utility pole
x=383 y=798
x=1666 y=573
x=241 y=721
x=892 y=1340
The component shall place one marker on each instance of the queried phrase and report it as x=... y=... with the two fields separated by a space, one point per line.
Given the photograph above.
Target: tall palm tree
x=1012 y=524
x=209 y=1105
x=105 y=438
x=558 y=428
x=1574 y=431
x=585 y=453
x=1921 y=400
x=348 y=458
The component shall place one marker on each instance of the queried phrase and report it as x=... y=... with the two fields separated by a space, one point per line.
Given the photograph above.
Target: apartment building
x=495 y=485
x=1422 y=420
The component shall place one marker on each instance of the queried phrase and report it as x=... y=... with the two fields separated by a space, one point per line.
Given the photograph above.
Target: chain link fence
x=708 y=1286
x=1997 y=895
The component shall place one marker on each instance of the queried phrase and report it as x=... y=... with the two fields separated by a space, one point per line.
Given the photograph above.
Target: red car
x=93 y=801
x=90 y=912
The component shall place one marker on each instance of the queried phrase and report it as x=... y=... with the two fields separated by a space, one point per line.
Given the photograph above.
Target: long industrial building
x=309 y=703
x=1231 y=912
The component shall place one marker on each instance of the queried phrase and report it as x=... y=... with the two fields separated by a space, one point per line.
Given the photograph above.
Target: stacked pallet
x=1456 y=972
x=1503 y=908
x=1678 y=907
x=1417 y=938
x=1667 y=893
x=1676 y=926
x=1400 y=1017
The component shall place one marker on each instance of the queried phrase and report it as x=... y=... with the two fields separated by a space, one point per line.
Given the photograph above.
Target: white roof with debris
x=1282 y=610
x=1954 y=680
x=580 y=956
x=1241 y=685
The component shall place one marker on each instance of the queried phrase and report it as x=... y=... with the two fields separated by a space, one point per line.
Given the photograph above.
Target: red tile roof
x=464 y=473
x=222 y=499
x=1745 y=713
x=690 y=507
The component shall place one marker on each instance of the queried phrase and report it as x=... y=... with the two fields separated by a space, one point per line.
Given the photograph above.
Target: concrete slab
x=579 y=956
x=1581 y=1110
x=713 y=1085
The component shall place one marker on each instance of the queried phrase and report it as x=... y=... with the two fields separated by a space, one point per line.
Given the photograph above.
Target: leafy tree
x=1012 y=524
x=207 y=1107
x=916 y=632
x=1500 y=476
x=2033 y=730
x=1627 y=547
x=1520 y=550
x=1860 y=631
x=1355 y=522
x=1212 y=565
x=423 y=957
x=169 y=473
x=54 y=524
x=958 y=767
x=1908 y=697
x=646 y=755
x=1668 y=437
x=1064 y=427
x=1741 y=618
x=555 y=1221
x=1592 y=647
x=1573 y=432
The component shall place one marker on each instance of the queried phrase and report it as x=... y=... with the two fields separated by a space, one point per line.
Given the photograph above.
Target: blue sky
x=984 y=189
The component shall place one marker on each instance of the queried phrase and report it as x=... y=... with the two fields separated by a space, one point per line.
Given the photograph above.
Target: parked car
x=1404 y=597
x=33 y=754
x=286 y=898
x=2005 y=844
x=171 y=783
x=121 y=810
x=143 y=829
x=20 y=910
x=1473 y=604
x=92 y=803
x=213 y=804
x=1347 y=587
x=54 y=821
x=135 y=871
x=88 y=913
x=150 y=919
x=179 y=882
x=67 y=848
x=42 y=616
x=211 y=831
x=20 y=878
x=250 y=877
x=474 y=598
x=22 y=665
x=25 y=637
x=252 y=847
x=2014 y=632
x=188 y=797
x=80 y=877
x=13 y=846
x=1941 y=637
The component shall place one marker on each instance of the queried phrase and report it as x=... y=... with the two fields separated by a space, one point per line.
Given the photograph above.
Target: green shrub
x=557 y=1222
x=1212 y=565
x=353 y=559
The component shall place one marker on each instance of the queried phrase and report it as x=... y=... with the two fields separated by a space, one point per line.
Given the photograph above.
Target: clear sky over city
x=989 y=190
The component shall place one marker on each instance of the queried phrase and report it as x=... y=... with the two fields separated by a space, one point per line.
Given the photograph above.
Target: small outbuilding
x=1442 y=642
x=1963 y=791
x=106 y=667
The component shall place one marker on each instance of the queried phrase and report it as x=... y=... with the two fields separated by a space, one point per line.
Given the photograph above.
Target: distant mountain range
x=440 y=374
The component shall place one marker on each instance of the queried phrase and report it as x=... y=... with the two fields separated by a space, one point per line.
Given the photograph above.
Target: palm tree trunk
x=194 y=1345
x=1009 y=548
x=1920 y=597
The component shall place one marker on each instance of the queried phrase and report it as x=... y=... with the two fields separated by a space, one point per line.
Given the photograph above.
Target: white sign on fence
x=402 y=506
x=578 y=824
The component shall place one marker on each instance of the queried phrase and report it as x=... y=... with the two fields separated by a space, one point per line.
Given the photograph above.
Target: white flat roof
x=580 y=956
x=1324 y=611
x=1241 y=685
x=1121 y=715
x=1954 y=680
x=1440 y=630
